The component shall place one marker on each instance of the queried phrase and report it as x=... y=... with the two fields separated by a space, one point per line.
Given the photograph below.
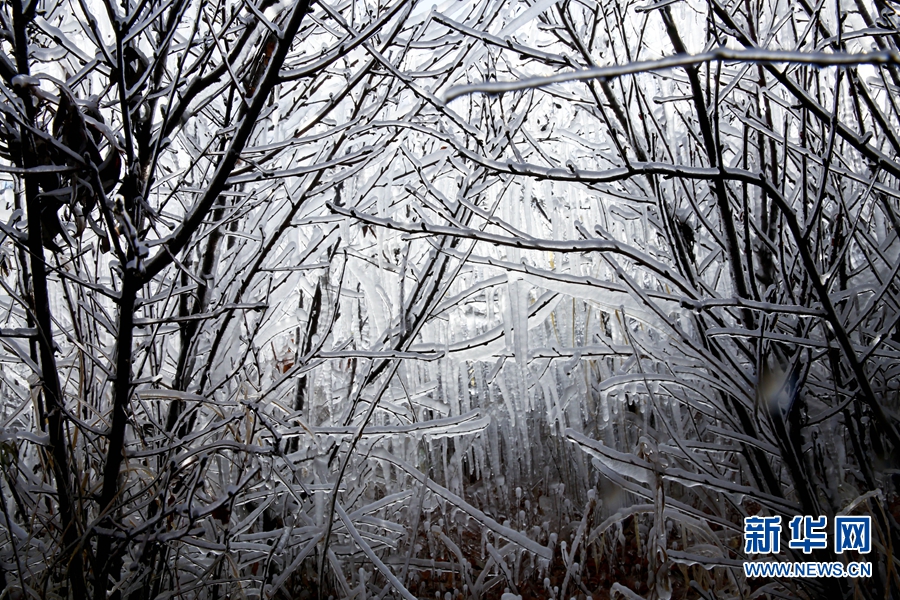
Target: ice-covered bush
x=497 y=299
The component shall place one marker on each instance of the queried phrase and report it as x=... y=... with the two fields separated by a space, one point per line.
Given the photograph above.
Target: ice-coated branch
x=593 y=245
x=245 y=125
x=721 y=54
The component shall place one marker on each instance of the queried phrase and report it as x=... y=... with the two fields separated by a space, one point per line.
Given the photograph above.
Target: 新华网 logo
x=762 y=536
